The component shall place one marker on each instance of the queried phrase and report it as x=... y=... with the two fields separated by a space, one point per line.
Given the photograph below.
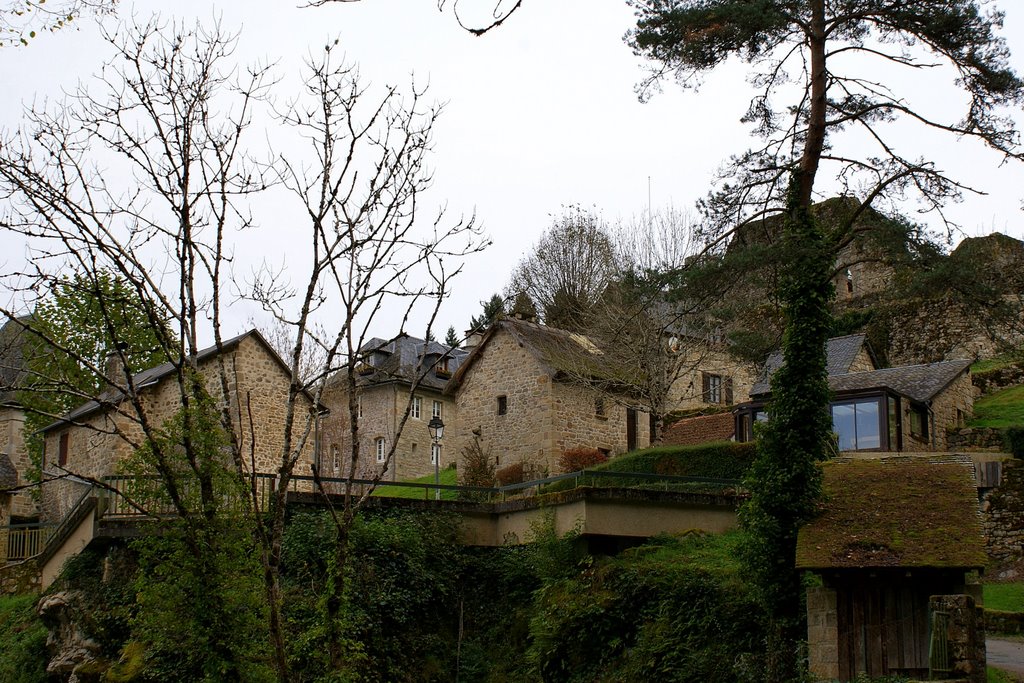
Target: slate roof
x=399 y=360
x=840 y=352
x=886 y=514
x=917 y=382
x=153 y=375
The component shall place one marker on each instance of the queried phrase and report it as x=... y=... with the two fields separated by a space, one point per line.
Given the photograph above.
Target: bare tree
x=22 y=20
x=568 y=269
x=368 y=249
x=145 y=175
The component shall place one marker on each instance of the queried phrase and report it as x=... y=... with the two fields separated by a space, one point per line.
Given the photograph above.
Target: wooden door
x=882 y=631
x=630 y=429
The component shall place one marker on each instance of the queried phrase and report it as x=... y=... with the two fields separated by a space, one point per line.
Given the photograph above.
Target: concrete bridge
x=604 y=516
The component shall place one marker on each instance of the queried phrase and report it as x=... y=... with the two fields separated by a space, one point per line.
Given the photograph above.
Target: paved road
x=1007 y=655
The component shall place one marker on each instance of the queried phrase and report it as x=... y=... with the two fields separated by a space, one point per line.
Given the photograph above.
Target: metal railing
x=24 y=540
x=150 y=499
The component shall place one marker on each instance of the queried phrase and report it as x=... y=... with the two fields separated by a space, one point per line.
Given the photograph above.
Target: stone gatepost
x=965 y=635
x=822 y=633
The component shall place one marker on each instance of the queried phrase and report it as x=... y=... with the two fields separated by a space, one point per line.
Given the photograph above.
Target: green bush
x=671 y=610
x=1013 y=441
x=23 y=654
x=719 y=460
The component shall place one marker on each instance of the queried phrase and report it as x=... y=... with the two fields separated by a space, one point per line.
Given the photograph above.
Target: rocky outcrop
x=74 y=657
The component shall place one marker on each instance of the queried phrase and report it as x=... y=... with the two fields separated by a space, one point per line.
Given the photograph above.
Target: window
x=858 y=424
x=502 y=405
x=414 y=410
x=62 y=454
x=712 y=389
x=335 y=459
x=599 y=406
x=435 y=410
x=381 y=450
x=359 y=407
x=435 y=454
x=919 y=423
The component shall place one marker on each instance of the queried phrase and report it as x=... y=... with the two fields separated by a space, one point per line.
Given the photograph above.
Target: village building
x=15 y=463
x=528 y=393
x=893 y=562
x=906 y=408
x=400 y=386
x=93 y=441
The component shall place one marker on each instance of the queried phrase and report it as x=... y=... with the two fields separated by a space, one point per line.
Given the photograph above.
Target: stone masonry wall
x=577 y=424
x=951 y=408
x=687 y=390
x=382 y=406
x=702 y=429
x=822 y=633
x=1003 y=514
x=524 y=433
x=12 y=443
x=258 y=383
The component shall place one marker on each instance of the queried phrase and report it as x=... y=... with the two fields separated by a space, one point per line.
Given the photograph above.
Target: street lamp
x=436 y=429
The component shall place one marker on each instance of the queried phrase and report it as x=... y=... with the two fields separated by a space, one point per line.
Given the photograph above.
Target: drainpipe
x=931 y=422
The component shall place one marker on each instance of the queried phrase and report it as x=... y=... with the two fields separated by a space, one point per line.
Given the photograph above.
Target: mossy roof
x=561 y=353
x=894 y=514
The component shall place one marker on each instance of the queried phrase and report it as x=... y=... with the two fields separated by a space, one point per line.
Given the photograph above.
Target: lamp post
x=436 y=429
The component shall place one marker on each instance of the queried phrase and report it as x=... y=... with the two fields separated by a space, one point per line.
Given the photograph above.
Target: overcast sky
x=539 y=113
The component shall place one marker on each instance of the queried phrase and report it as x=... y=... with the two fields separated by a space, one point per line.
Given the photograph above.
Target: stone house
x=906 y=408
x=93 y=440
x=530 y=392
x=395 y=376
x=712 y=378
x=892 y=561
x=16 y=507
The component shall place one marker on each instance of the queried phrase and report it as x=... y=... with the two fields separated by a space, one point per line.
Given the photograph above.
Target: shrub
x=576 y=459
x=23 y=654
x=512 y=474
x=477 y=465
x=720 y=460
x=1013 y=441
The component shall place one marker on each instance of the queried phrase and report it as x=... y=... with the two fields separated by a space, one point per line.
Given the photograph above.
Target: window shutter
x=728 y=390
x=705 y=381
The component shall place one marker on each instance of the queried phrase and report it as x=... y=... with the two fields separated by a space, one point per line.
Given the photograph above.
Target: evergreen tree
x=493 y=308
x=814 y=43
x=451 y=338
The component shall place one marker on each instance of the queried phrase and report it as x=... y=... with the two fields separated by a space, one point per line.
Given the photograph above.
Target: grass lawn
x=448 y=476
x=1002 y=409
x=994 y=363
x=1005 y=597
x=999 y=676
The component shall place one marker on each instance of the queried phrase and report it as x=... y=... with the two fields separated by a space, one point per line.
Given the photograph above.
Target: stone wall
x=974 y=439
x=22 y=577
x=524 y=432
x=1003 y=515
x=929 y=331
x=577 y=423
x=702 y=429
x=822 y=633
x=950 y=408
x=966 y=635
x=258 y=387
x=381 y=408
x=12 y=444
x=993 y=380
x=687 y=390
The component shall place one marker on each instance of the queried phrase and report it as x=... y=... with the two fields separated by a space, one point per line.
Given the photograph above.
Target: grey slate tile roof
x=916 y=382
x=841 y=352
x=402 y=358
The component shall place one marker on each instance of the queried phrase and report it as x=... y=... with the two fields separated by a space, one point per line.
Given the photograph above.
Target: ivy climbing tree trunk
x=785 y=480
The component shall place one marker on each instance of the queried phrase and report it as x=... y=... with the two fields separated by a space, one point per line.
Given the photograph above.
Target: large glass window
x=858 y=424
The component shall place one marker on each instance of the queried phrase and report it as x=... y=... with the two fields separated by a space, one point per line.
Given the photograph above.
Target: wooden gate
x=882 y=631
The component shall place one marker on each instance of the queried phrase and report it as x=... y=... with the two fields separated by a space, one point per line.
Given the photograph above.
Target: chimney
x=473 y=338
x=114 y=368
